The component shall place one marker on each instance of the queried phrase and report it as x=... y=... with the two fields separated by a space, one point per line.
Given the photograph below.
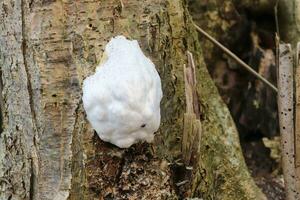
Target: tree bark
x=47 y=148
x=289 y=21
x=286 y=118
x=297 y=116
x=289 y=30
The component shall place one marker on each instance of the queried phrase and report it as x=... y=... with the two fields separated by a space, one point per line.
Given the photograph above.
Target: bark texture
x=18 y=152
x=289 y=21
x=297 y=116
x=286 y=119
x=47 y=148
x=289 y=28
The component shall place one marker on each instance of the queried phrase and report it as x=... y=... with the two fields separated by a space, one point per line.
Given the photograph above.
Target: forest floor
x=265 y=170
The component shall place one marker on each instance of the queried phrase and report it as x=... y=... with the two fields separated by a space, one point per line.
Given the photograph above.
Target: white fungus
x=122 y=99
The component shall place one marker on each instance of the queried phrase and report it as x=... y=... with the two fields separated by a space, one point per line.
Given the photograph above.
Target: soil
x=265 y=171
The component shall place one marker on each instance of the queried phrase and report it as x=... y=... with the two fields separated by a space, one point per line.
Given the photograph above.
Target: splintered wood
x=192 y=125
x=286 y=118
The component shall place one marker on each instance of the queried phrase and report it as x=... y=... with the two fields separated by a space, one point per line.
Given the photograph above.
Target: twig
x=181 y=183
x=236 y=58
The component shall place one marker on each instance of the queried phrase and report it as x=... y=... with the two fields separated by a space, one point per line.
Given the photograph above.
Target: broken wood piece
x=191 y=82
x=188 y=121
x=192 y=125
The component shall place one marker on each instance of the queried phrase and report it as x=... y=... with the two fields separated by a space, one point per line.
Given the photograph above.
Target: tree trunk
x=289 y=29
x=289 y=21
x=47 y=148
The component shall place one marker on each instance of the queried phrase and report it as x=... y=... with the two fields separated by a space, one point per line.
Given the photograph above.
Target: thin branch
x=236 y=58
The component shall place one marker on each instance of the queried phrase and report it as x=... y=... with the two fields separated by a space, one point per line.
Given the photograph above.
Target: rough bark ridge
x=18 y=159
x=48 y=48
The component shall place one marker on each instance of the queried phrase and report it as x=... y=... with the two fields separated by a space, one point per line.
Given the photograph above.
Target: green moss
x=165 y=33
